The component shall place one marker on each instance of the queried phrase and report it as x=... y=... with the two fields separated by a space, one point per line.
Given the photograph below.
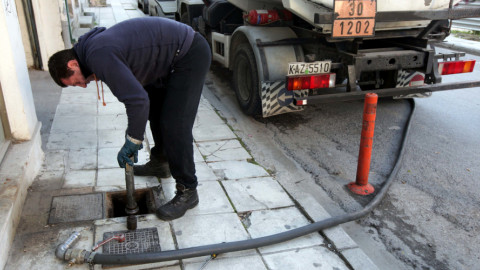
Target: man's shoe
x=184 y=199
x=154 y=167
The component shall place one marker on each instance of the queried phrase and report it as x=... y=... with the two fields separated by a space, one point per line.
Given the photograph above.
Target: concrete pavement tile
x=336 y=234
x=208 y=132
x=76 y=109
x=72 y=140
x=143 y=221
x=55 y=160
x=82 y=159
x=203 y=173
x=113 y=108
x=79 y=179
x=111 y=138
x=309 y=258
x=199 y=230
x=256 y=194
x=237 y=169
x=117 y=122
x=223 y=150
x=37 y=256
x=63 y=124
x=197 y=156
x=78 y=97
x=211 y=196
x=268 y=222
x=107 y=157
x=204 y=104
x=114 y=180
x=230 y=263
x=207 y=118
x=358 y=259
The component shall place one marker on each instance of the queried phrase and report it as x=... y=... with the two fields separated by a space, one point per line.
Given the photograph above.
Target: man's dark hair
x=57 y=65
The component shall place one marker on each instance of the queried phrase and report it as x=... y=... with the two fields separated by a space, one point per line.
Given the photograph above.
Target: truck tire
x=145 y=6
x=245 y=80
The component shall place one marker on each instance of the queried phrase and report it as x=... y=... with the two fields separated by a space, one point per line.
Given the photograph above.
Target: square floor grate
x=136 y=241
x=76 y=208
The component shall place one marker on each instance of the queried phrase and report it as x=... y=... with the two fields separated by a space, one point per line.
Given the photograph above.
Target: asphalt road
x=430 y=218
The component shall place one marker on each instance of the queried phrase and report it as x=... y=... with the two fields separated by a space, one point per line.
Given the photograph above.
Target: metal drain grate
x=76 y=208
x=137 y=241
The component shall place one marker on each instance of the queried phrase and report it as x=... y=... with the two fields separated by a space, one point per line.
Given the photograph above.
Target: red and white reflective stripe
x=326 y=80
x=301 y=102
x=455 y=67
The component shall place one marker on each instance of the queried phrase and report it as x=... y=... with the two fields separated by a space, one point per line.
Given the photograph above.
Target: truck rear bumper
x=389 y=92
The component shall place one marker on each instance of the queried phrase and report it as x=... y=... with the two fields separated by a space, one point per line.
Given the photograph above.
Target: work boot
x=184 y=199
x=155 y=167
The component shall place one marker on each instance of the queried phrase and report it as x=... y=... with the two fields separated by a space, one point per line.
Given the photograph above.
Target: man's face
x=77 y=79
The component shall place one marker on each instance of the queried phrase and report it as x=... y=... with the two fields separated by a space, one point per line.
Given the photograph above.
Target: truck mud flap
x=276 y=99
x=407 y=78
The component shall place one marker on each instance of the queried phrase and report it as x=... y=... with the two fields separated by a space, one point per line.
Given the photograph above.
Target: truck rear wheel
x=245 y=80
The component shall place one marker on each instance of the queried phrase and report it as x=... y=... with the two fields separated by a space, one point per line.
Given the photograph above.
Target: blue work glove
x=128 y=150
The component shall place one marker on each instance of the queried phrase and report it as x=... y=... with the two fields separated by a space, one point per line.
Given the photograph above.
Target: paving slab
x=230 y=263
x=114 y=108
x=212 y=133
x=223 y=151
x=79 y=179
x=82 y=159
x=76 y=109
x=256 y=194
x=309 y=258
x=237 y=169
x=111 y=138
x=74 y=123
x=211 y=196
x=264 y=223
x=114 y=180
x=72 y=140
x=113 y=122
x=199 y=230
x=55 y=160
x=74 y=97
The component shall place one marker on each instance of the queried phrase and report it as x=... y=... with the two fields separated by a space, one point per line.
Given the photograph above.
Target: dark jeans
x=173 y=110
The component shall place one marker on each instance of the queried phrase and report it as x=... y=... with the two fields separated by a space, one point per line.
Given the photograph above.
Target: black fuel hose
x=220 y=248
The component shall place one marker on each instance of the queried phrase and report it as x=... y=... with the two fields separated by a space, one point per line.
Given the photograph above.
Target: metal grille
x=137 y=241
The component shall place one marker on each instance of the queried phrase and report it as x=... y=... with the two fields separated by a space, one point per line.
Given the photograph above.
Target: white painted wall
x=17 y=91
x=49 y=28
x=25 y=36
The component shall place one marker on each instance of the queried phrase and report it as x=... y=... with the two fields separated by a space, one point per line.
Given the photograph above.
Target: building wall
x=49 y=28
x=16 y=88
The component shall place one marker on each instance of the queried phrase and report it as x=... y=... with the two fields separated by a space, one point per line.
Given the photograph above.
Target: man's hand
x=129 y=149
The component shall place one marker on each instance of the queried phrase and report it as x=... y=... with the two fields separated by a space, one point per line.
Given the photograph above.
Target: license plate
x=354 y=18
x=301 y=68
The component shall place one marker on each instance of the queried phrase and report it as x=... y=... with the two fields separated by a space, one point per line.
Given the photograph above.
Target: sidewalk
x=78 y=187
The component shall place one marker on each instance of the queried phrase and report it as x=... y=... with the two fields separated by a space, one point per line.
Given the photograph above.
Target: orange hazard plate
x=354 y=18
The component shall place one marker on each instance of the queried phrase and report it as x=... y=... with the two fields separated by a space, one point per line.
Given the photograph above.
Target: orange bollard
x=361 y=185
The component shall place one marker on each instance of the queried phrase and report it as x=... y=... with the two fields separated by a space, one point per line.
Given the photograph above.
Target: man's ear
x=72 y=64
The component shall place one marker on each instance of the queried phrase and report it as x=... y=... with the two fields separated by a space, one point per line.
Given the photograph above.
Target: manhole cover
x=76 y=208
x=137 y=241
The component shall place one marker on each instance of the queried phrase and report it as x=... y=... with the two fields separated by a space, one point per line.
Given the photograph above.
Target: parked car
x=162 y=8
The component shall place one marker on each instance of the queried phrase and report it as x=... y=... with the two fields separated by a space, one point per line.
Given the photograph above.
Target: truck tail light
x=455 y=67
x=311 y=81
